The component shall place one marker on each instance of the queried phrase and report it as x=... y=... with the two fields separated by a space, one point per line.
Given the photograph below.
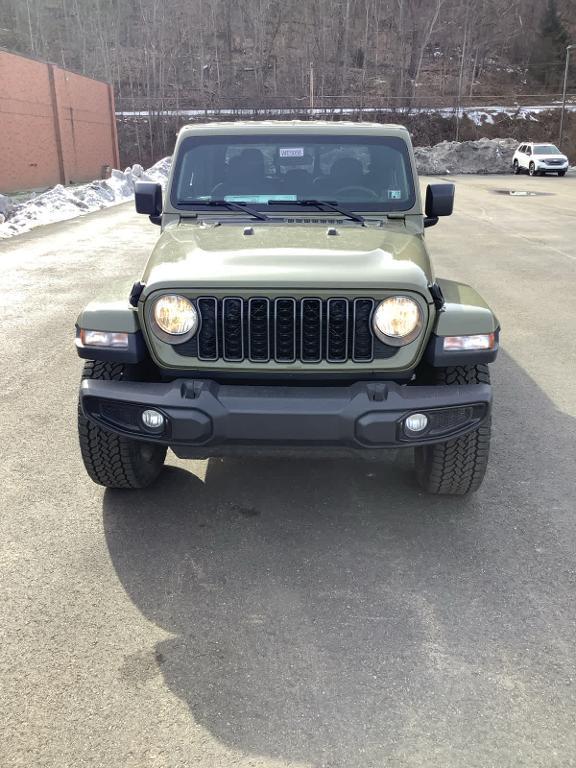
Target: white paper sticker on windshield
x=291 y=151
x=394 y=194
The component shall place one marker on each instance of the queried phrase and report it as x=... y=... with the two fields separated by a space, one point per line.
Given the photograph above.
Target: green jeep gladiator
x=289 y=305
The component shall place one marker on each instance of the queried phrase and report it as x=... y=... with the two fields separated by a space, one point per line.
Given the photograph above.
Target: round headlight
x=397 y=320
x=175 y=315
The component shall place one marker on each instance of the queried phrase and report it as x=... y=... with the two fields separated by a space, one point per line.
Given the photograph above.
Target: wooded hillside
x=176 y=54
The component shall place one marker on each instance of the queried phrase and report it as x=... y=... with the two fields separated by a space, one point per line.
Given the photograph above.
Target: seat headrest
x=249 y=161
x=346 y=167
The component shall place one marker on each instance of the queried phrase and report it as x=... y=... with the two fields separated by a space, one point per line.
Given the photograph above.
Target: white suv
x=539 y=159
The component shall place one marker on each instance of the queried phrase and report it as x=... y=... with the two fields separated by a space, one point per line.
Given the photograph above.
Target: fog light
x=416 y=423
x=153 y=419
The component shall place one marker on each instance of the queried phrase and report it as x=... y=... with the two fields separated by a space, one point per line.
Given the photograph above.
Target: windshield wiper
x=233 y=206
x=331 y=205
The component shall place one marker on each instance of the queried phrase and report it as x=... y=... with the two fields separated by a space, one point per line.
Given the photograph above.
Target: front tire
x=532 y=170
x=458 y=466
x=112 y=460
x=516 y=167
x=561 y=173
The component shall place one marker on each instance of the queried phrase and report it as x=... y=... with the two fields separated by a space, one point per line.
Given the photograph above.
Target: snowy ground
x=61 y=203
x=479 y=114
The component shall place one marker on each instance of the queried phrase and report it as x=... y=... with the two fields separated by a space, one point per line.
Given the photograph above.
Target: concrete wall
x=55 y=126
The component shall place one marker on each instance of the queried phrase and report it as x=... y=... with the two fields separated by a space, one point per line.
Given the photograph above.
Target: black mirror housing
x=439 y=202
x=148 y=198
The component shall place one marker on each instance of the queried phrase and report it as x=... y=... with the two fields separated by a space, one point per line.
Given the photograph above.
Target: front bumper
x=542 y=165
x=202 y=417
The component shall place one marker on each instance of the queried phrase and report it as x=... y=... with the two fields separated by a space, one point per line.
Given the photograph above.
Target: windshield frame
x=371 y=206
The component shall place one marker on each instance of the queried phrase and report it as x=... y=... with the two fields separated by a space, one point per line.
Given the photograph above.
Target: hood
x=546 y=158
x=288 y=256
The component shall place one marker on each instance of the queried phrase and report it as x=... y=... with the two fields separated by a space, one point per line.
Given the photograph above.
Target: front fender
x=464 y=313
x=116 y=316
x=102 y=315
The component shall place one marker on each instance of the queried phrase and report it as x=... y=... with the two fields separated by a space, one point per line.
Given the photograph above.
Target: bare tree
x=165 y=55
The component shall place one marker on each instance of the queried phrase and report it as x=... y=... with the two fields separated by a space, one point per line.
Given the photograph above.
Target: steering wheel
x=363 y=190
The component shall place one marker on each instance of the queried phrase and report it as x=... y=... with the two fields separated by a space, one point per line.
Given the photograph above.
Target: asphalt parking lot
x=293 y=613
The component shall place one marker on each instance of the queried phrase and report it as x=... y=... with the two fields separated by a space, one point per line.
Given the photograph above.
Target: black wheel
x=112 y=460
x=458 y=466
x=516 y=167
x=561 y=173
x=532 y=170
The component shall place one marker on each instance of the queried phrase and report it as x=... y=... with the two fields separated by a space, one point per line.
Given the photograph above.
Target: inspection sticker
x=291 y=151
x=394 y=194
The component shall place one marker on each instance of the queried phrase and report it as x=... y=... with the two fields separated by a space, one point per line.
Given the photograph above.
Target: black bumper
x=203 y=416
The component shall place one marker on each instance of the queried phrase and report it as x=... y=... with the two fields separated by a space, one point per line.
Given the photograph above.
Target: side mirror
x=148 y=198
x=439 y=202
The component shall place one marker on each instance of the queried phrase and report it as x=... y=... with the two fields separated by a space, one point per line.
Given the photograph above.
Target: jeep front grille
x=285 y=330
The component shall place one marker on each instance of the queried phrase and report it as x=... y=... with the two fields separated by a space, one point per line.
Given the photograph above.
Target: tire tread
x=458 y=466
x=112 y=460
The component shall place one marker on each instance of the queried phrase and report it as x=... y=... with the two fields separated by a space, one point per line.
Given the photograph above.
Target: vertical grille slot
x=311 y=330
x=285 y=330
x=208 y=333
x=232 y=329
x=362 y=338
x=337 y=331
x=259 y=329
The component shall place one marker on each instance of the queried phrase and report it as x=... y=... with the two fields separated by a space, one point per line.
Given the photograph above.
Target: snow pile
x=5 y=206
x=482 y=156
x=61 y=203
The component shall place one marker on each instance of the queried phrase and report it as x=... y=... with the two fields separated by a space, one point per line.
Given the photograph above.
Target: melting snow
x=481 y=156
x=60 y=203
x=478 y=114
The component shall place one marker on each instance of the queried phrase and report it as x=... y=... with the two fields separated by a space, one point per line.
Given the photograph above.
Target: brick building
x=55 y=126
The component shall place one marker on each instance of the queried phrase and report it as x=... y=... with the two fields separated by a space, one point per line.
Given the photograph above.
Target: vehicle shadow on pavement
x=329 y=612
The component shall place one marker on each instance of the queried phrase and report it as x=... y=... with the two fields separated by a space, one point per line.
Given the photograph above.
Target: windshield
x=546 y=149
x=362 y=173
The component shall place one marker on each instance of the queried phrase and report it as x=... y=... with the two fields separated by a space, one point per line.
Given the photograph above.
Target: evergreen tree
x=549 y=51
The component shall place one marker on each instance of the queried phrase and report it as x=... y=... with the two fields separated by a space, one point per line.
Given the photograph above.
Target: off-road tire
x=458 y=466
x=516 y=167
x=112 y=460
